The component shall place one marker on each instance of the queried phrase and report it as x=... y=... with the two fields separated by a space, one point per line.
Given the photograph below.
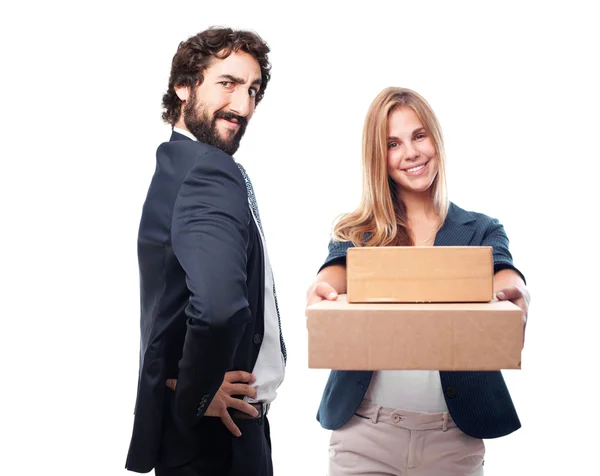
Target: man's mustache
x=230 y=116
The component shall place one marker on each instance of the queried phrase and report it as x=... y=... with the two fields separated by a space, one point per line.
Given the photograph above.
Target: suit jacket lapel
x=458 y=229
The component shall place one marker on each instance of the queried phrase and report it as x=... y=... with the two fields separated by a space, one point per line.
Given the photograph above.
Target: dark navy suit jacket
x=201 y=266
x=479 y=402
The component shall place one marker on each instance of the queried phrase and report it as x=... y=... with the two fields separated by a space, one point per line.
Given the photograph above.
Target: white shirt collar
x=183 y=132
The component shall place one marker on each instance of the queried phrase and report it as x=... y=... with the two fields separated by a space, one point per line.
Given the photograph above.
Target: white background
x=515 y=88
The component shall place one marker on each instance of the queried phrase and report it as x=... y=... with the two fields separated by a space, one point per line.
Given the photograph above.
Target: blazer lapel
x=458 y=229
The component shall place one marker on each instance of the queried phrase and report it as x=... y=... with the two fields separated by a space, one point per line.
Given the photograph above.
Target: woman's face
x=412 y=161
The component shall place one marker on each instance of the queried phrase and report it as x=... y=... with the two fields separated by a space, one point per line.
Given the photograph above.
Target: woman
x=430 y=422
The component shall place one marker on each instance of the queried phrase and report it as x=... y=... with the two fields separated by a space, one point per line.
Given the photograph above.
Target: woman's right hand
x=320 y=291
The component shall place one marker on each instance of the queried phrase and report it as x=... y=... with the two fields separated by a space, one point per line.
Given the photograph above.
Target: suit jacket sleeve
x=495 y=236
x=209 y=235
x=337 y=251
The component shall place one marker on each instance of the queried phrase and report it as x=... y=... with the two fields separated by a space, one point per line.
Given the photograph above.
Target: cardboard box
x=420 y=274
x=450 y=336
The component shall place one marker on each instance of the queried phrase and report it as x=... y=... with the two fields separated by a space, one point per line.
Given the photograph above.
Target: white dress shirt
x=412 y=390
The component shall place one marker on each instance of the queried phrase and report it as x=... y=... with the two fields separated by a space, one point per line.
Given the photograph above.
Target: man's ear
x=183 y=92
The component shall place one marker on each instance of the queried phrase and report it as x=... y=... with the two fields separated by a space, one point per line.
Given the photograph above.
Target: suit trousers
x=391 y=442
x=226 y=455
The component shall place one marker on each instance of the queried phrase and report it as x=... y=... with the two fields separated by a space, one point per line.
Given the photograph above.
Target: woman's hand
x=518 y=295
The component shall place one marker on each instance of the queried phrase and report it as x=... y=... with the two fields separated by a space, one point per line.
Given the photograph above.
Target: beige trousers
x=381 y=441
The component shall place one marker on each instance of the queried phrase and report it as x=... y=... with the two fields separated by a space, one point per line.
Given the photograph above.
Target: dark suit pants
x=223 y=454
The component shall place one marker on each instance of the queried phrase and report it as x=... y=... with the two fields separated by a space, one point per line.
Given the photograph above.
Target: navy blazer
x=201 y=267
x=479 y=402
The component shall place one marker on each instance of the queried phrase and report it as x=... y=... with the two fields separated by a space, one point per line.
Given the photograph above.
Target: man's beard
x=205 y=130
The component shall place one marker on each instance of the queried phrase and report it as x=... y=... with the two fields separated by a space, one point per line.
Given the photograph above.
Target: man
x=212 y=355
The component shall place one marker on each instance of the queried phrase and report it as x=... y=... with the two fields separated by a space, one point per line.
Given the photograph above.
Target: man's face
x=219 y=109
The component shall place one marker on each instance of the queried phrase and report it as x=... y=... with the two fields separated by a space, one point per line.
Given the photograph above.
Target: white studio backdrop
x=515 y=87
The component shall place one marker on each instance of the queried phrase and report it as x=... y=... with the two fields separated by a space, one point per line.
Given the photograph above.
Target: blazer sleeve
x=209 y=235
x=336 y=253
x=495 y=236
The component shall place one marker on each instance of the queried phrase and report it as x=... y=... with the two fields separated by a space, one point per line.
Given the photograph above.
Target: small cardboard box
x=449 y=336
x=420 y=274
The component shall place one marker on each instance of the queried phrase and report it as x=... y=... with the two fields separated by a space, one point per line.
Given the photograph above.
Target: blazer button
x=257 y=338
x=451 y=392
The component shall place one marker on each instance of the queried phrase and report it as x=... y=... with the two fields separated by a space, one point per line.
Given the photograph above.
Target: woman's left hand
x=518 y=295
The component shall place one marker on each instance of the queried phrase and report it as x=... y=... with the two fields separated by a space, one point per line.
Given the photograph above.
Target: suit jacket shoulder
x=481 y=220
x=177 y=161
x=184 y=155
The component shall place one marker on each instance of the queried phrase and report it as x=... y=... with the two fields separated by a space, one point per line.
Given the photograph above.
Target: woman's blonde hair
x=380 y=219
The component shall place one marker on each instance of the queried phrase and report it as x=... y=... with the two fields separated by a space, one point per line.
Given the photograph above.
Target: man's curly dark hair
x=194 y=55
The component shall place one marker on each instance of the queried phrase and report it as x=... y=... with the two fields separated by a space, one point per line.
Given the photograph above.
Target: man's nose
x=241 y=103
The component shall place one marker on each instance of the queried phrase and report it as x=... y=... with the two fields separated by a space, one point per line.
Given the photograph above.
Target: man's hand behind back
x=236 y=382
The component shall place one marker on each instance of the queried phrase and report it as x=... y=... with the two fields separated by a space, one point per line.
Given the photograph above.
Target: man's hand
x=235 y=383
x=320 y=291
x=518 y=295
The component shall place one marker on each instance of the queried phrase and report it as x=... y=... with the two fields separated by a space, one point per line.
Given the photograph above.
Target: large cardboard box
x=420 y=274
x=398 y=336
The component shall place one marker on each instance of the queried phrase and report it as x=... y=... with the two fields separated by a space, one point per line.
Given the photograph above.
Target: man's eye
x=227 y=84
x=252 y=92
